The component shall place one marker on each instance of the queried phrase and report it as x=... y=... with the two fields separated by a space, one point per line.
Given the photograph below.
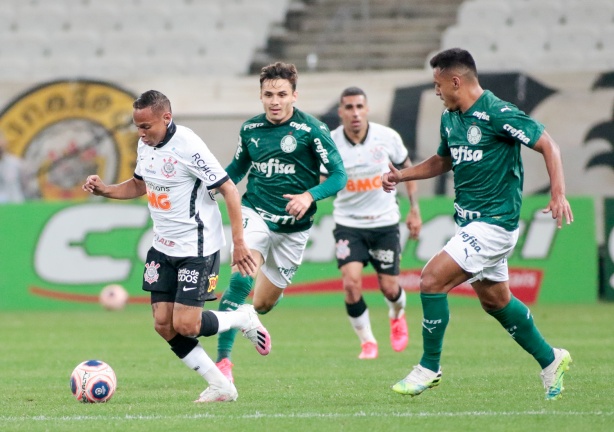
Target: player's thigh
x=285 y=257
x=197 y=279
x=266 y=293
x=441 y=274
x=350 y=245
x=256 y=233
x=481 y=249
x=385 y=249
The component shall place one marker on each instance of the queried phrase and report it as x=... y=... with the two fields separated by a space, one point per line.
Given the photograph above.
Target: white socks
x=198 y=360
x=230 y=319
x=397 y=309
x=362 y=327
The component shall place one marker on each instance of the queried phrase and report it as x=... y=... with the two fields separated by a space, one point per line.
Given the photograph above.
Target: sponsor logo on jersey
x=272 y=166
x=516 y=133
x=505 y=108
x=163 y=241
x=151 y=272
x=158 y=196
x=474 y=134
x=287 y=273
x=200 y=163
x=364 y=184
x=448 y=130
x=252 y=126
x=213 y=278
x=342 y=249
x=466 y=214
x=255 y=141
x=187 y=275
x=300 y=126
x=465 y=154
x=69 y=129
x=321 y=150
x=470 y=240
x=276 y=219
x=481 y=115
x=382 y=255
x=288 y=144
x=168 y=168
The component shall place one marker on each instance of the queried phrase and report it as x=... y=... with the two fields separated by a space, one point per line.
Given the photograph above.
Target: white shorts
x=482 y=250
x=282 y=252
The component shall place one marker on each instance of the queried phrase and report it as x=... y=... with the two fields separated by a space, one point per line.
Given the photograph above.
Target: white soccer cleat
x=552 y=375
x=418 y=380
x=214 y=394
x=255 y=331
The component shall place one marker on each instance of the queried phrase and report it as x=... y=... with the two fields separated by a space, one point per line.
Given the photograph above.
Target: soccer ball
x=93 y=381
x=113 y=297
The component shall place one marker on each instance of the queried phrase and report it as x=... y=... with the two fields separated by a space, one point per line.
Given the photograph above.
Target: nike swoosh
x=386 y=266
x=189 y=289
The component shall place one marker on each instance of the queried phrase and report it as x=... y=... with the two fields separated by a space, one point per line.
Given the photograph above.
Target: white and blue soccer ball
x=93 y=381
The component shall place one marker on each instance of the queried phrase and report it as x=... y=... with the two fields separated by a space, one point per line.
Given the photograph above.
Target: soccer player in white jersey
x=481 y=136
x=367 y=218
x=177 y=171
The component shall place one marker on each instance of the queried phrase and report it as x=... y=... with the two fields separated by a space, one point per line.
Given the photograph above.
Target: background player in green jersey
x=280 y=151
x=481 y=137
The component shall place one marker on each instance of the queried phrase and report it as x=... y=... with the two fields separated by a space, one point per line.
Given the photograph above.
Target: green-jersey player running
x=280 y=151
x=481 y=137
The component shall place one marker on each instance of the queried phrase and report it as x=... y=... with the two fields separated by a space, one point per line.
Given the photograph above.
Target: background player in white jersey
x=481 y=137
x=281 y=151
x=367 y=218
x=177 y=172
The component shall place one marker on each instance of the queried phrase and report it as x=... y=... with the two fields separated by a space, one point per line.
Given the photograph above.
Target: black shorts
x=187 y=280
x=379 y=246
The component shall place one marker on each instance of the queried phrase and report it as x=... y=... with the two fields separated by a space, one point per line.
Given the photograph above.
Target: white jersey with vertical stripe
x=179 y=174
x=362 y=203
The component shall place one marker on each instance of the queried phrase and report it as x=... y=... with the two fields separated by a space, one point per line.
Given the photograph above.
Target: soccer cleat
x=225 y=366
x=418 y=380
x=552 y=375
x=214 y=394
x=255 y=331
x=399 y=335
x=369 y=351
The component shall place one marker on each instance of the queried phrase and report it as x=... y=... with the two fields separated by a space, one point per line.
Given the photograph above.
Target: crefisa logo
x=66 y=130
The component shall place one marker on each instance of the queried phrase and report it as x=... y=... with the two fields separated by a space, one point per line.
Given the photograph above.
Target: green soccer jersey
x=285 y=159
x=484 y=144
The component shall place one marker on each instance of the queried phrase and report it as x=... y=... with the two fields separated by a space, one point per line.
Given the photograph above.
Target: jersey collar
x=170 y=131
x=354 y=144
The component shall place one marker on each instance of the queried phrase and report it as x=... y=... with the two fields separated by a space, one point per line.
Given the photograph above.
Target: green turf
x=312 y=380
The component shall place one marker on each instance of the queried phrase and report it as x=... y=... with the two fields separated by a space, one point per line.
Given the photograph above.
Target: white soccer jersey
x=363 y=203
x=179 y=173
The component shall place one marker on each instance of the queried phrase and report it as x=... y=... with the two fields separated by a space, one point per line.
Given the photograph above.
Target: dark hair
x=454 y=58
x=280 y=70
x=352 y=91
x=154 y=99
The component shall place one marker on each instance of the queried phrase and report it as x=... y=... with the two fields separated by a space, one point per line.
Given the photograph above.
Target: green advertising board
x=60 y=255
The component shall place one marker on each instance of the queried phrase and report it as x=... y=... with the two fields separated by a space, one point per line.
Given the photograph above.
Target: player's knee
x=429 y=283
x=164 y=329
x=186 y=328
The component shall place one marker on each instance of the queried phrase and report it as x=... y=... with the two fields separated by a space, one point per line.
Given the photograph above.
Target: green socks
x=436 y=316
x=516 y=318
x=233 y=297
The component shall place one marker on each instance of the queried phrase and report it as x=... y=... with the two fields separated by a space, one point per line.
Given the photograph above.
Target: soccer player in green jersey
x=280 y=151
x=481 y=137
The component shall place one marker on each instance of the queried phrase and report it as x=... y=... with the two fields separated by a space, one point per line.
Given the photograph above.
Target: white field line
x=259 y=415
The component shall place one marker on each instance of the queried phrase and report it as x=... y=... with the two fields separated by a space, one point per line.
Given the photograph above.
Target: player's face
x=353 y=112
x=151 y=126
x=446 y=89
x=277 y=99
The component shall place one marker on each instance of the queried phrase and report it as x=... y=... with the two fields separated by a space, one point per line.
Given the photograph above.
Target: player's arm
x=559 y=206
x=129 y=189
x=431 y=167
x=241 y=254
x=240 y=163
x=413 y=219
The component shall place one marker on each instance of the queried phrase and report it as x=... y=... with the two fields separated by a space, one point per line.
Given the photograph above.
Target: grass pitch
x=312 y=380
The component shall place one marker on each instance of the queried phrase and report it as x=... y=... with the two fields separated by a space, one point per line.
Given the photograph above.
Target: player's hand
x=391 y=179
x=414 y=223
x=298 y=204
x=94 y=185
x=560 y=208
x=242 y=258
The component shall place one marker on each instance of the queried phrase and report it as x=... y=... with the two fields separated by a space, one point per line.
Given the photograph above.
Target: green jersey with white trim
x=484 y=144
x=285 y=159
